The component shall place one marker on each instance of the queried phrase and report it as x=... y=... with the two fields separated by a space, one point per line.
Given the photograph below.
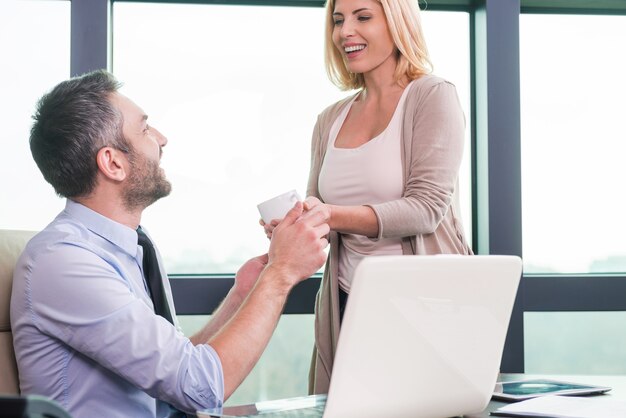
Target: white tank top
x=368 y=174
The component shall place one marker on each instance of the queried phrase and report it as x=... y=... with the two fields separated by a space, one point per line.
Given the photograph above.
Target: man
x=92 y=328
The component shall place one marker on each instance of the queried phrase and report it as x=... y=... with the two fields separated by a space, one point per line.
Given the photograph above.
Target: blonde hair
x=405 y=27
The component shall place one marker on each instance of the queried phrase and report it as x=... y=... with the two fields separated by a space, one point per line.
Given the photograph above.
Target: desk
x=617 y=382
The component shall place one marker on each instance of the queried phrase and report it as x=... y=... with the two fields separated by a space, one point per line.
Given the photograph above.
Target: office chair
x=31 y=406
x=11 y=245
x=12 y=405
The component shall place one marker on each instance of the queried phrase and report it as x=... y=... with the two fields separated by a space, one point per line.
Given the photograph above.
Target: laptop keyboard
x=312 y=412
x=303 y=407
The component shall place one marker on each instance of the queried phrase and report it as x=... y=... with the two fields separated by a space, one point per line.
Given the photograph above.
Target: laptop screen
x=423 y=334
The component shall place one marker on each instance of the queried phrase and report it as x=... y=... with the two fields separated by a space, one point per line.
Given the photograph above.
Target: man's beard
x=146 y=182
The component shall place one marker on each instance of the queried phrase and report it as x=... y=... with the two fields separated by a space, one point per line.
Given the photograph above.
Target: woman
x=384 y=161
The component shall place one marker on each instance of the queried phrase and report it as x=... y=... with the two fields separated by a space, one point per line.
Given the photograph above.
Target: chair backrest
x=31 y=406
x=11 y=246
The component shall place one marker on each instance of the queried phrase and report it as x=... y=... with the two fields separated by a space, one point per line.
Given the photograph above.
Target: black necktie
x=152 y=274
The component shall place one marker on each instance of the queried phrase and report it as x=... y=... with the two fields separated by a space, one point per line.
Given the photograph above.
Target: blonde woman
x=385 y=161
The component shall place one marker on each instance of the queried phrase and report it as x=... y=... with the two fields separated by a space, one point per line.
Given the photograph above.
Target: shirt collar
x=114 y=232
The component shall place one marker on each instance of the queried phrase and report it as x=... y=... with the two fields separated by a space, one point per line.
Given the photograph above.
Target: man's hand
x=311 y=203
x=296 y=252
x=297 y=246
x=248 y=274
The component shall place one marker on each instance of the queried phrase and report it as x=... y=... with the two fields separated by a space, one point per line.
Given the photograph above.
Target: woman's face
x=361 y=35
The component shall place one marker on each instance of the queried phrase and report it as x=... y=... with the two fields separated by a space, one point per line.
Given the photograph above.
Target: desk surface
x=617 y=382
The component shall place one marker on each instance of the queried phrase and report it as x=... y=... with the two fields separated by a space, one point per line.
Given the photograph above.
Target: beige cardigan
x=426 y=217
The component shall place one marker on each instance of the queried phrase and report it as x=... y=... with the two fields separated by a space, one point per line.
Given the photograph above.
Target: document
x=566 y=407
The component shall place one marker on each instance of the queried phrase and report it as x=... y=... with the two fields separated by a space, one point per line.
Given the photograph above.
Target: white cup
x=277 y=207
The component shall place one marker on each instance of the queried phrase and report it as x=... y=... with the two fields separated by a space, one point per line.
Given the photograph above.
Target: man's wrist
x=279 y=277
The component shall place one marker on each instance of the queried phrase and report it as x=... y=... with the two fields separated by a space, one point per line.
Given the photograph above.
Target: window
x=575 y=342
x=191 y=65
x=32 y=64
x=572 y=106
x=237 y=90
x=283 y=369
x=572 y=93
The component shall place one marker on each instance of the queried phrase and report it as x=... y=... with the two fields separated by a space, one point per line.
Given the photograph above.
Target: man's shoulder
x=50 y=256
x=59 y=248
x=57 y=236
x=62 y=261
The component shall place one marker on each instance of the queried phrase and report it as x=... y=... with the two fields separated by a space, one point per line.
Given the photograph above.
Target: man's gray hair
x=72 y=123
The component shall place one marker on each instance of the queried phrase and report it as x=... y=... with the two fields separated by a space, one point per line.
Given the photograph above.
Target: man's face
x=146 y=182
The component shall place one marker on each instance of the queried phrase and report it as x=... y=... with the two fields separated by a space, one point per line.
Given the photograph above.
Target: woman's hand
x=312 y=206
x=359 y=220
x=269 y=228
x=311 y=203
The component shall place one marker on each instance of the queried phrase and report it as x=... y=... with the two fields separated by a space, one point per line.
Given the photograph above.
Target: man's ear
x=113 y=163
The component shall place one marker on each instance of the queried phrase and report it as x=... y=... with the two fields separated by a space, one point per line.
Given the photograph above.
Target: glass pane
x=32 y=63
x=237 y=90
x=575 y=342
x=572 y=112
x=283 y=370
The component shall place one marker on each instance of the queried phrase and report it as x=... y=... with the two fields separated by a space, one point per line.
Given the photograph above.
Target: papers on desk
x=565 y=407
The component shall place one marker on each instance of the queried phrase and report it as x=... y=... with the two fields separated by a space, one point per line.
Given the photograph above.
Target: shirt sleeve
x=433 y=158
x=84 y=301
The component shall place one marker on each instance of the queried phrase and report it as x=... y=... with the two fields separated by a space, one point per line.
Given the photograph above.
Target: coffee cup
x=277 y=207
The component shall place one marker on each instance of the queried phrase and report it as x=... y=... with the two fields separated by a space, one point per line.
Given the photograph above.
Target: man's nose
x=161 y=139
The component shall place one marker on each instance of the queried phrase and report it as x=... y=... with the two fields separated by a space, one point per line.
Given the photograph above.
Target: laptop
x=422 y=336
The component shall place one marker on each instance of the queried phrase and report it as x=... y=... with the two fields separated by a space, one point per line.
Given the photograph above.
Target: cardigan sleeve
x=434 y=125
x=316 y=161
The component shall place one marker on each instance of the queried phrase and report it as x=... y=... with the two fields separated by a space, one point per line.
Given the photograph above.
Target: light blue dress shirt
x=85 y=332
